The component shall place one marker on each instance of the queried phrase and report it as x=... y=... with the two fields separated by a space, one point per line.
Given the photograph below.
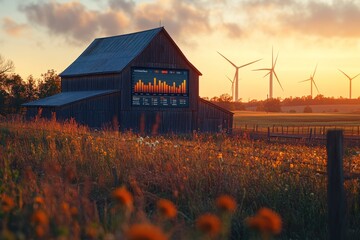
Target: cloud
x=233 y=30
x=127 y=6
x=180 y=18
x=76 y=23
x=336 y=19
x=13 y=28
x=73 y=20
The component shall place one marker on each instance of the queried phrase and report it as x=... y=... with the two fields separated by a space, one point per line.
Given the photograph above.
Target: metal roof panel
x=66 y=98
x=110 y=54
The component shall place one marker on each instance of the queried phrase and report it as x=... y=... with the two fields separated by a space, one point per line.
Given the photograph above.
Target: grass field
x=262 y=119
x=58 y=181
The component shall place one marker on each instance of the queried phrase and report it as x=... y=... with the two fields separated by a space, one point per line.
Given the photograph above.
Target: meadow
x=62 y=181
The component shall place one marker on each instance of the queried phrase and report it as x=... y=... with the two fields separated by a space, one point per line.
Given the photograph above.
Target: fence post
x=336 y=193
x=268 y=134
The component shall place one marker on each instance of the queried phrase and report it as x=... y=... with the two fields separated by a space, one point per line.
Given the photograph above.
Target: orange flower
x=266 y=221
x=74 y=211
x=145 y=231
x=226 y=203
x=91 y=231
x=123 y=197
x=39 y=200
x=7 y=203
x=39 y=217
x=166 y=208
x=208 y=224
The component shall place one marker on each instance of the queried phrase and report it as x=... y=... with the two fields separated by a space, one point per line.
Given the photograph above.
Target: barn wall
x=95 y=112
x=212 y=118
x=91 y=82
x=154 y=122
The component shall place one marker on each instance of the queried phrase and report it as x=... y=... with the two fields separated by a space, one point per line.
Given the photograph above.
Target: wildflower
x=39 y=217
x=266 y=221
x=226 y=203
x=166 y=208
x=123 y=197
x=74 y=211
x=91 y=231
x=209 y=224
x=7 y=203
x=145 y=231
x=219 y=156
x=39 y=200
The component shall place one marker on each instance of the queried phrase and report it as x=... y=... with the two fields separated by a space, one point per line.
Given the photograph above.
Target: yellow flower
x=145 y=231
x=226 y=203
x=166 y=208
x=208 y=224
x=266 y=221
x=123 y=197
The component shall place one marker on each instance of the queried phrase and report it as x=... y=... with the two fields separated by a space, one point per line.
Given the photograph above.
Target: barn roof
x=64 y=98
x=113 y=54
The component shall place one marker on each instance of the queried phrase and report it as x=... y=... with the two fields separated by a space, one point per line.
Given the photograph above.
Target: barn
x=139 y=81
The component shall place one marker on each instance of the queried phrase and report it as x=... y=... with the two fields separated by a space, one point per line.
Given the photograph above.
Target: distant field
x=263 y=119
x=337 y=108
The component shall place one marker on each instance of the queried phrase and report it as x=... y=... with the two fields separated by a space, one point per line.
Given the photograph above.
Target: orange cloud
x=13 y=28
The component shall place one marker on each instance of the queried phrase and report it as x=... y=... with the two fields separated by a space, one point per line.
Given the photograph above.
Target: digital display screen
x=158 y=87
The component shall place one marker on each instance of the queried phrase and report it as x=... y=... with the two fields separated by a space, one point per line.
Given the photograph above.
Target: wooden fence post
x=335 y=189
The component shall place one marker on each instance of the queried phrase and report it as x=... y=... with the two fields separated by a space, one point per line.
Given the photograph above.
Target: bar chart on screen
x=160 y=87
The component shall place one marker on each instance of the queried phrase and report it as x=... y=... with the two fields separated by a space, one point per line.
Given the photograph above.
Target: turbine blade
x=228 y=60
x=356 y=76
x=314 y=71
x=316 y=86
x=262 y=69
x=266 y=74
x=345 y=74
x=278 y=80
x=249 y=63
x=275 y=60
x=229 y=79
x=305 y=80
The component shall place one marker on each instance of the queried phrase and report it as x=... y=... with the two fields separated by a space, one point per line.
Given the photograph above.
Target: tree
x=50 y=84
x=272 y=105
x=6 y=66
x=225 y=98
x=31 y=90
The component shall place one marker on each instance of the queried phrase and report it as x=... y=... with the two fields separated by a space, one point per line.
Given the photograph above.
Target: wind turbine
x=271 y=73
x=232 y=87
x=312 y=81
x=236 y=77
x=350 y=79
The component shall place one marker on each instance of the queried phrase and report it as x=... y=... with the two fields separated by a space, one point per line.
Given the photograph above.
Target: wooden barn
x=140 y=82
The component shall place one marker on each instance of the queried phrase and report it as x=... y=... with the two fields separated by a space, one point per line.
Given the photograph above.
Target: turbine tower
x=312 y=81
x=271 y=73
x=232 y=87
x=236 y=77
x=350 y=79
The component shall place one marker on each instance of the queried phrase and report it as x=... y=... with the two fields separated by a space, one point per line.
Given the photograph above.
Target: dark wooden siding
x=92 y=82
x=212 y=118
x=154 y=122
x=94 y=112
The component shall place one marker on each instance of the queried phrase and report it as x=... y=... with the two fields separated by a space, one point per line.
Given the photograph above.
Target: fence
x=306 y=133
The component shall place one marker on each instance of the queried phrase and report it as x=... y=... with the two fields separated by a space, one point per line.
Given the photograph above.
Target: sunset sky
x=42 y=35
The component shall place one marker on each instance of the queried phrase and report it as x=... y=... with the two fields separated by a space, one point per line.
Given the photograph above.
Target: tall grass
x=72 y=168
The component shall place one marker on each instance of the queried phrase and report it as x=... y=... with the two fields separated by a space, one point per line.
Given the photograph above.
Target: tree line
x=14 y=91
